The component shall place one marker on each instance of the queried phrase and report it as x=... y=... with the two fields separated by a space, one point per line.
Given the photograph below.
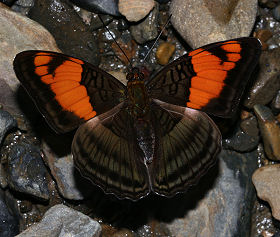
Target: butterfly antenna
x=168 y=20
x=115 y=41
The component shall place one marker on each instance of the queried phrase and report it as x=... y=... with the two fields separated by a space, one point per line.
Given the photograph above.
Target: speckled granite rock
x=18 y=33
x=225 y=209
x=63 y=221
x=201 y=22
x=71 y=185
x=266 y=180
x=135 y=10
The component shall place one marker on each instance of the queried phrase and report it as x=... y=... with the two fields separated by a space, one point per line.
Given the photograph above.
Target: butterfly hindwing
x=211 y=78
x=67 y=91
x=106 y=151
x=188 y=142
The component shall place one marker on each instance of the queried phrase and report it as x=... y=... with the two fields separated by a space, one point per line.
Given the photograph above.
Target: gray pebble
x=63 y=221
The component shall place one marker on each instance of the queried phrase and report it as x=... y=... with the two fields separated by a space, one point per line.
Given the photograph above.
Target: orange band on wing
x=210 y=86
x=212 y=74
x=64 y=82
x=232 y=46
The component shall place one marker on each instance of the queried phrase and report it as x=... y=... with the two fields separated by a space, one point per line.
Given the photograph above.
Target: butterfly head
x=135 y=75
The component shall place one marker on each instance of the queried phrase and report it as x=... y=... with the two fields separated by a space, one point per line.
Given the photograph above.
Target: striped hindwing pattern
x=106 y=151
x=60 y=87
x=211 y=78
x=188 y=142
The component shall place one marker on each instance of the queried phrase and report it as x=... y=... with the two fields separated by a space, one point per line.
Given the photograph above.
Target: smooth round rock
x=18 y=33
x=266 y=181
x=201 y=22
x=164 y=52
x=241 y=141
x=267 y=84
x=270 y=131
x=135 y=10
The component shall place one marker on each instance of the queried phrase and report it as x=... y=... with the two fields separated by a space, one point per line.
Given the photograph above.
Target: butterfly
x=153 y=135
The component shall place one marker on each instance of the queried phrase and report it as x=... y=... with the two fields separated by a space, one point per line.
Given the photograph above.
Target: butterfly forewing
x=66 y=90
x=188 y=142
x=106 y=151
x=211 y=78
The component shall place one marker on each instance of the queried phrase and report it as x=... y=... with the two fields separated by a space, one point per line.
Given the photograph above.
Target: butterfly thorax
x=137 y=94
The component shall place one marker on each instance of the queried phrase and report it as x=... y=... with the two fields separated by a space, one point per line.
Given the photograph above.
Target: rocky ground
x=42 y=194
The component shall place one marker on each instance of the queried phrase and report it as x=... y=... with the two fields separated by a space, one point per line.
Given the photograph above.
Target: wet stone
x=63 y=221
x=122 y=25
x=3 y=177
x=275 y=105
x=267 y=84
x=99 y=6
x=270 y=131
x=266 y=181
x=147 y=29
x=23 y=6
x=26 y=171
x=153 y=228
x=9 y=223
x=71 y=185
x=241 y=141
x=276 y=13
x=7 y=122
x=73 y=37
x=250 y=126
x=25 y=206
x=222 y=20
x=96 y=23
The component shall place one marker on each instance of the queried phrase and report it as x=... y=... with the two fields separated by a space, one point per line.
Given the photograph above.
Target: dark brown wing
x=67 y=90
x=187 y=145
x=211 y=78
x=106 y=151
